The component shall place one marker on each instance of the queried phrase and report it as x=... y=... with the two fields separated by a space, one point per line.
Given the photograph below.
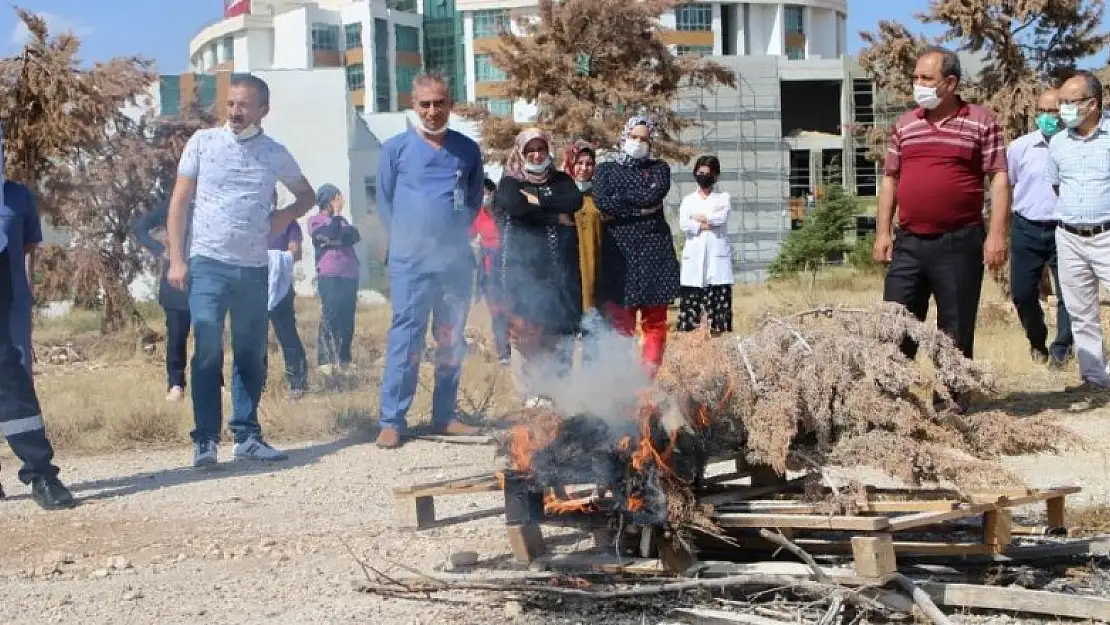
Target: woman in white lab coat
x=707 y=256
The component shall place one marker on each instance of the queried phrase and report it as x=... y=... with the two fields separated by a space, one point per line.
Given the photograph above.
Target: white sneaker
x=255 y=449
x=204 y=454
x=176 y=394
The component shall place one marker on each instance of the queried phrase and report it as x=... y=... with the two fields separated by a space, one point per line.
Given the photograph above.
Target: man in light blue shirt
x=229 y=174
x=430 y=187
x=1033 y=235
x=1078 y=169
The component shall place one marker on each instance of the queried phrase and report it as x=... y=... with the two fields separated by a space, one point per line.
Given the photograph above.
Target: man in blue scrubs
x=430 y=187
x=20 y=219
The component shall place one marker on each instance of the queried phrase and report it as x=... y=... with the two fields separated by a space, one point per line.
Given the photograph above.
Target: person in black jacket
x=540 y=275
x=174 y=302
x=639 y=270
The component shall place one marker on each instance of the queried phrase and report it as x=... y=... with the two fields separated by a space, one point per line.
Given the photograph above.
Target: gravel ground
x=156 y=542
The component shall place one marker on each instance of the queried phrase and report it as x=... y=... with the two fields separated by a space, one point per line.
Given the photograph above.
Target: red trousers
x=653 y=325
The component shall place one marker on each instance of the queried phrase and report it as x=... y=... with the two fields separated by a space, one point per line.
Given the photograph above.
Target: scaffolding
x=743 y=128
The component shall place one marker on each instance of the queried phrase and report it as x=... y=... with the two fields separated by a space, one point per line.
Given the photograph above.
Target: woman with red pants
x=639 y=271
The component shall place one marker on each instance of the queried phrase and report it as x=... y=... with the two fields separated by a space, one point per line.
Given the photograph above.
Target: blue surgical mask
x=1048 y=124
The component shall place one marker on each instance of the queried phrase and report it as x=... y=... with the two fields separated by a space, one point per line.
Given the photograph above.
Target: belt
x=1087 y=231
x=1047 y=225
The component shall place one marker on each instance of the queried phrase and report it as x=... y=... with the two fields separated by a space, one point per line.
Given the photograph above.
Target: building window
x=228 y=44
x=491 y=23
x=405 y=76
x=694 y=17
x=401 y=5
x=206 y=91
x=443 y=44
x=169 y=93
x=485 y=70
x=352 y=34
x=497 y=106
x=382 y=98
x=408 y=38
x=356 y=78
x=370 y=188
x=325 y=38
x=794 y=18
x=694 y=50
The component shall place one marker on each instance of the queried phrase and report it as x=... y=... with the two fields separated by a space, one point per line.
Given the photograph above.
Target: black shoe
x=1039 y=354
x=51 y=494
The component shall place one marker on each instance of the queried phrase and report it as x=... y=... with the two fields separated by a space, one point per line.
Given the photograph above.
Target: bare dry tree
x=93 y=167
x=588 y=65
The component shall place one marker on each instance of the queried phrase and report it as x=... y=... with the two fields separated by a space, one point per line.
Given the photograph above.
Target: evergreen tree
x=823 y=234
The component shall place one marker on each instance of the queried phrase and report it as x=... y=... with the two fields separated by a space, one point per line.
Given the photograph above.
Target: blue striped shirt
x=1080 y=167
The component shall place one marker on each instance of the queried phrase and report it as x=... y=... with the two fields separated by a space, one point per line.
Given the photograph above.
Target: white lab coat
x=707 y=255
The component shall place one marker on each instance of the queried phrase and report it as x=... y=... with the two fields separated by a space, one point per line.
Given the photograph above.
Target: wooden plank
x=1055 y=509
x=740 y=493
x=526 y=542
x=1012 y=500
x=873 y=507
x=443 y=487
x=705 y=616
x=998 y=529
x=803 y=521
x=817 y=545
x=414 y=513
x=873 y=556
x=924 y=519
x=1018 y=600
x=597 y=563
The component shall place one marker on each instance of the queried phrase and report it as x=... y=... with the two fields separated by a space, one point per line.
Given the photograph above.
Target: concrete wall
x=742 y=127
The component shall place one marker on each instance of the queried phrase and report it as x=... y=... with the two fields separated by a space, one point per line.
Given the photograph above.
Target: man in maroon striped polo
x=939 y=155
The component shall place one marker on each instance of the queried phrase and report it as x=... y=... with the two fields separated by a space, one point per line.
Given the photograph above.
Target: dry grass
x=115 y=398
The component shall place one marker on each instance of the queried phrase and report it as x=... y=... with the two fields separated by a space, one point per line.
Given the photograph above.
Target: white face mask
x=1070 y=114
x=249 y=132
x=635 y=148
x=583 y=185
x=926 y=97
x=537 y=168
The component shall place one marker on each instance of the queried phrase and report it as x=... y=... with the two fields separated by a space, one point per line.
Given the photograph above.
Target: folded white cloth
x=281 y=276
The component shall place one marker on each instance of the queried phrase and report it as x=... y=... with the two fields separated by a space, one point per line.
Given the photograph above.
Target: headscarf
x=635 y=120
x=325 y=194
x=514 y=165
x=571 y=154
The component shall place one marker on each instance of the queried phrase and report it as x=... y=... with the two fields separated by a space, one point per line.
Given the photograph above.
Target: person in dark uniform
x=20 y=414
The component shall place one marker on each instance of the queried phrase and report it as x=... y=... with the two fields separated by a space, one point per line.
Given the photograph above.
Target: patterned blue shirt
x=1080 y=167
x=235 y=188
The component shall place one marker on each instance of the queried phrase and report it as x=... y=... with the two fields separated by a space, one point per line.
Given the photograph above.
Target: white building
x=803 y=30
x=378 y=43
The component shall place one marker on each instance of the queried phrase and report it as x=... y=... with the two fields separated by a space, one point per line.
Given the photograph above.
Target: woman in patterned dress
x=639 y=269
x=539 y=245
x=707 y=255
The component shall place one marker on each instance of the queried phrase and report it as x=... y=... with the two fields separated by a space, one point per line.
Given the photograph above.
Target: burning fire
x=648 y=450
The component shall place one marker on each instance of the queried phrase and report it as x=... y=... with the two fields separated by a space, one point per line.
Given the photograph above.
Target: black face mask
x=705 y=180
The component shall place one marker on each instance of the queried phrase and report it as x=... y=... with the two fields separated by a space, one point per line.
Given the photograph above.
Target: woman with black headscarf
x=639 y=268
x=541 y=279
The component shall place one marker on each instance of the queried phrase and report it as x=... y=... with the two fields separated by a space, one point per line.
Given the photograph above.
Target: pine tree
x=590 y=64
x=824 y=234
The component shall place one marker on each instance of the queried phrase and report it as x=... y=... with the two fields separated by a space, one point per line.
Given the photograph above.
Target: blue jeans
x=284 y=319
x=446 y=297
x=1033 y=245
x=217 y=289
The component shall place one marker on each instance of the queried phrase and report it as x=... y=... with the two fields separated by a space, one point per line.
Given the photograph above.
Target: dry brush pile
x=812 y=391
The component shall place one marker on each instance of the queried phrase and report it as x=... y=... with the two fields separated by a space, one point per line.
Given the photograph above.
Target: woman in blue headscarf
x=639 y=272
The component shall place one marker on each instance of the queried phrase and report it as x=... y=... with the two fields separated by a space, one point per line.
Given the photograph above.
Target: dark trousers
x=178 y=323
x=284 y=320
x=338 y=301
x=489 y=287
x=948 y=267
x=20 y=415
x=1032 y=246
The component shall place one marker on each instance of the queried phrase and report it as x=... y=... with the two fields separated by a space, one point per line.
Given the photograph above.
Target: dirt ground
x=156 y=542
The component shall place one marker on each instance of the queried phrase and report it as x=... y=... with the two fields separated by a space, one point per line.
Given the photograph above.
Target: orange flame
x=553 y=504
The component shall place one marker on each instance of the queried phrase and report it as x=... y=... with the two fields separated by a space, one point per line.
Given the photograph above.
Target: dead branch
x=922 y=600
x=787 y=544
